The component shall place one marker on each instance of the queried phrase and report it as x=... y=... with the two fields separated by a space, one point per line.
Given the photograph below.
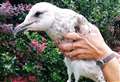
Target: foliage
x=99 y=12
x=21 y=56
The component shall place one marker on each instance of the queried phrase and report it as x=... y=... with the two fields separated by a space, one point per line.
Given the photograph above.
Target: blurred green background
x=19 y=59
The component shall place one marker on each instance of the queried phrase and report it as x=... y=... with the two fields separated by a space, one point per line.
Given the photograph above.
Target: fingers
x=82 y=56
x=77 y=52
x=72 y=45
x=80 y=47
x=72 y=36
x=65 y=46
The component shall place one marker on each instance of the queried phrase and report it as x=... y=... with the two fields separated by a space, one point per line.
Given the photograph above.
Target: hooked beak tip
x=15 y=31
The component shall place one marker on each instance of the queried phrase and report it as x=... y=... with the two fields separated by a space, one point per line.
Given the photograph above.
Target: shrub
x=18 y=56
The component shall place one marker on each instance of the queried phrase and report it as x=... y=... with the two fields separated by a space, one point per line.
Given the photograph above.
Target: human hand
x=85 y=46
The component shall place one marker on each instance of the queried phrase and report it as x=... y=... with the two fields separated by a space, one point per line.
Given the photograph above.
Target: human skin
x=86 y=47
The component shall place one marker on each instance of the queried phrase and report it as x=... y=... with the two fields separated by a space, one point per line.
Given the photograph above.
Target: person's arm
x=111 y=70
x=87 y=48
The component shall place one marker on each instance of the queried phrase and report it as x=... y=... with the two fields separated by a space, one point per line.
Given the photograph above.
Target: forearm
x=111 y=71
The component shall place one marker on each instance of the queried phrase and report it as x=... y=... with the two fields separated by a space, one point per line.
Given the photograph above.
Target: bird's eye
x=37 y=14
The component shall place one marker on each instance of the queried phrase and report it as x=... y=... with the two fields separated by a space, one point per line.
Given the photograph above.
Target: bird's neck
x=55 y=33
x=64 y=23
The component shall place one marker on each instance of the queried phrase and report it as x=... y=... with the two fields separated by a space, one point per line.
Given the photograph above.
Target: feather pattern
x=56 y=22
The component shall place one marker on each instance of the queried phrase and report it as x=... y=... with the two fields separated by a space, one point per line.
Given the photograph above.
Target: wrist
x=111 y=70
x=105 y=59
x=105 y=53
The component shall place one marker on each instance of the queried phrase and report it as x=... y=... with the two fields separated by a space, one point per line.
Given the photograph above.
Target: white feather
x=58 y=21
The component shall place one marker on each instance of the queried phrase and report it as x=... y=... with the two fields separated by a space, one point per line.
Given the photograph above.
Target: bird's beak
x=22 y=27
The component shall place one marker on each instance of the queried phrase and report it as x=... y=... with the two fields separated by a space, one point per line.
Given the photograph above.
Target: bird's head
x=39 y=18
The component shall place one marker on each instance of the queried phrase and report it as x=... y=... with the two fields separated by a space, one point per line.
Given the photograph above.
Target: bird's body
x=84 y=68
x=56 y=22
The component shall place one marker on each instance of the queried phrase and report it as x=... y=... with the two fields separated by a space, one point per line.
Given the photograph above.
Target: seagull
x=56 y=22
